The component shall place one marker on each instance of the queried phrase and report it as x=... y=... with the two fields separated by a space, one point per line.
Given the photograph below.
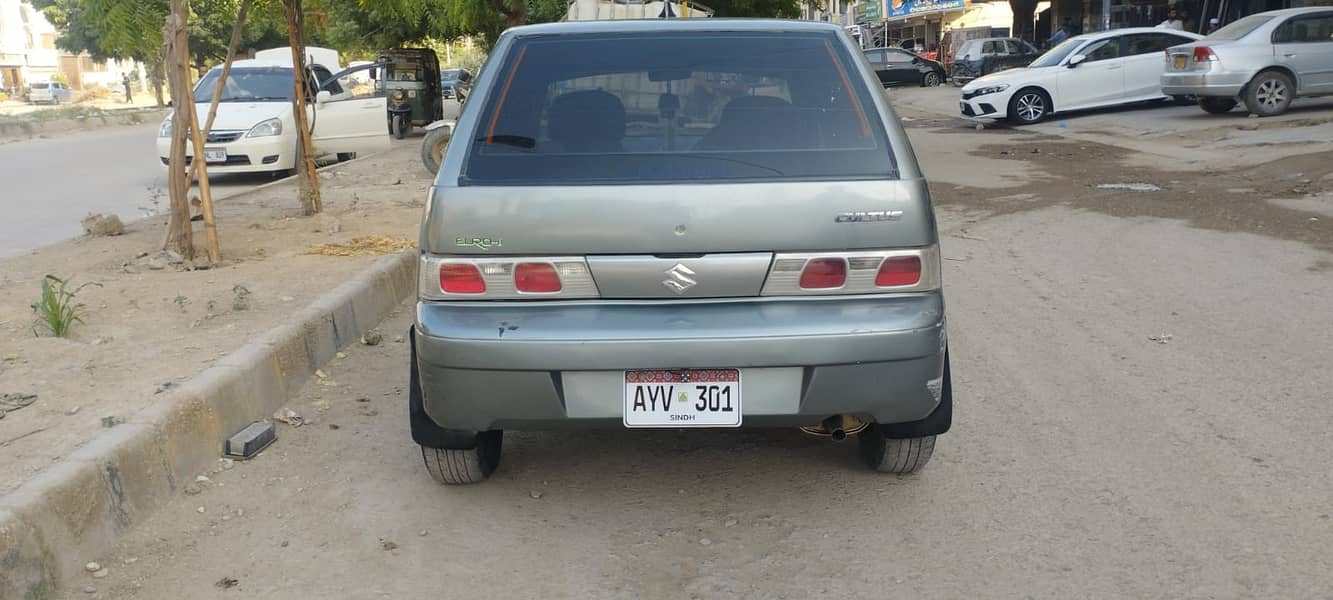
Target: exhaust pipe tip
x=837 y=427
x=833 y=425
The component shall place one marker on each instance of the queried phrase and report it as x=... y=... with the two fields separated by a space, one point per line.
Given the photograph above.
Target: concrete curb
x=81 y=506
x=18 y=129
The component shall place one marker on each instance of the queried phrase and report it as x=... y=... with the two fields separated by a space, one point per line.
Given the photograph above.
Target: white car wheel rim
x=1030 y=107
x=1271 y=93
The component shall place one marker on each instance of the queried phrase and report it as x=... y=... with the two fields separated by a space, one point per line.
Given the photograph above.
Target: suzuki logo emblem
x=679 y=279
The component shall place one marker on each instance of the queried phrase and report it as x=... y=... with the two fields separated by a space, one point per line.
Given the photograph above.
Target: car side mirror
x=323 y=96
x=1076 y=59
x=373 y=73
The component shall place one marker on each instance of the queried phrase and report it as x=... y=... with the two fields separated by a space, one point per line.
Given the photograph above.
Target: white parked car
x=255 y=130
x=53 y=92
x=1107 y=68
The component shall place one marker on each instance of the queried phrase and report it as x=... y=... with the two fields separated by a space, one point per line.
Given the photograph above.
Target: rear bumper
x=1212 y=83
x=549 y=365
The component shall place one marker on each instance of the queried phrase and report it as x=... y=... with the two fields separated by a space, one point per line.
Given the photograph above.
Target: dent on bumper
x=524 y=366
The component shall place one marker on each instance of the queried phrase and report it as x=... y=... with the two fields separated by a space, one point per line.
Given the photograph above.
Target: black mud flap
x=937 y=422
x=424 y=431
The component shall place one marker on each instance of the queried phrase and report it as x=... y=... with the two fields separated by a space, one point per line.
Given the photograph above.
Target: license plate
x=1178 y=62
x=215 y=155
x=683 y=398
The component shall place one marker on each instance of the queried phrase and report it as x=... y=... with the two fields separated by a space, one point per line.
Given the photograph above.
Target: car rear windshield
x=677 y=106
x=40 y=86
x=247 y=84
x=1239 y=29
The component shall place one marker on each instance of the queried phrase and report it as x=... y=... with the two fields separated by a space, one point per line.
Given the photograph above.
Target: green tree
x=368 y=25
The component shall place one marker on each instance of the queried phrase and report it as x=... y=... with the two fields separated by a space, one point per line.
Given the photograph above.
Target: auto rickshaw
x=410 y=81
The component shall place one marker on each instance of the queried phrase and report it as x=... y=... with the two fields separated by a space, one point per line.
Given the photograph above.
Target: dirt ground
x=1141 y=411
x=150 y=325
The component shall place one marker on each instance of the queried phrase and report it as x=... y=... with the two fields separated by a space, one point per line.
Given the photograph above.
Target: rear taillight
x=461 y=279
x=854 y=272
x=1204 y=54
x=486 y=278
x=536 y=278
x=824 y=274
x=897 y=271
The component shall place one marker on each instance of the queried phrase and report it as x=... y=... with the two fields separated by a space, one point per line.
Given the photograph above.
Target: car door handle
x=1290 y=55
x=1112 y=67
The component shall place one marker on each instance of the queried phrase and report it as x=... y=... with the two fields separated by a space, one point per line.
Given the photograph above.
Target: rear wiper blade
x=517 y=141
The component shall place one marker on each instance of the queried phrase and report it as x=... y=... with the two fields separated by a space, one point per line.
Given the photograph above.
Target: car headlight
x=266 y=128
x=990 y=89
x=165 y=130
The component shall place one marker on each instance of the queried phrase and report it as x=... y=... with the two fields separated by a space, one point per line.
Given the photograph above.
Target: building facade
x=28 y=54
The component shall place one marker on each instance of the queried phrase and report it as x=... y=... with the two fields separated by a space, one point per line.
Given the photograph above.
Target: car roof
x=1129 y=30
x=253 y=63
x=1296 y=11
x=639 y=25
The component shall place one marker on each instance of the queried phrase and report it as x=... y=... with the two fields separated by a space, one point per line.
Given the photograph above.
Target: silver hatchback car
x=693 y=223
x=1265 y=60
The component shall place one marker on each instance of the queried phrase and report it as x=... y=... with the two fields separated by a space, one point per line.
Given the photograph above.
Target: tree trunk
x=175 y=36
x=155 y=77
x=305 y=156
x=1025 y=12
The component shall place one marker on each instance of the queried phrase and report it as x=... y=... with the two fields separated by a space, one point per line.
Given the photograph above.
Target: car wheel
x=1269 y=94
x=449 y=466
x=1217 y=106
x=461 y=467
x=1028 y=106
x=401 y=126
x=346 y=156
x=433 y=146
x=891 y=455
x=931 y=79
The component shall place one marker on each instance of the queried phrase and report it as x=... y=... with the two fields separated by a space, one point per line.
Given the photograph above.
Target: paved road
x=1141 y=412
x=49 y=184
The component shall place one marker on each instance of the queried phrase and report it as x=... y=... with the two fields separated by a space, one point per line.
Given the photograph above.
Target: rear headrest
x=587 y=121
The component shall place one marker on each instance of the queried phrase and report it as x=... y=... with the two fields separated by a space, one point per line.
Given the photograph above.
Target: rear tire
x=401 y=126
x=448 y=459
x=898 y=456
x=1269 y=94
x=1217 y=106
x=346 y=156
x=462 y=467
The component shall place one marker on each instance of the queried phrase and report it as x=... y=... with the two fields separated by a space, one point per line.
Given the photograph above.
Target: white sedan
x=255 y=129
x=1093 y=70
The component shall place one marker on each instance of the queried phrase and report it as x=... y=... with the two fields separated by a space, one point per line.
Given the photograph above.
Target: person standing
x=129 y=95
x=1173 y=21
